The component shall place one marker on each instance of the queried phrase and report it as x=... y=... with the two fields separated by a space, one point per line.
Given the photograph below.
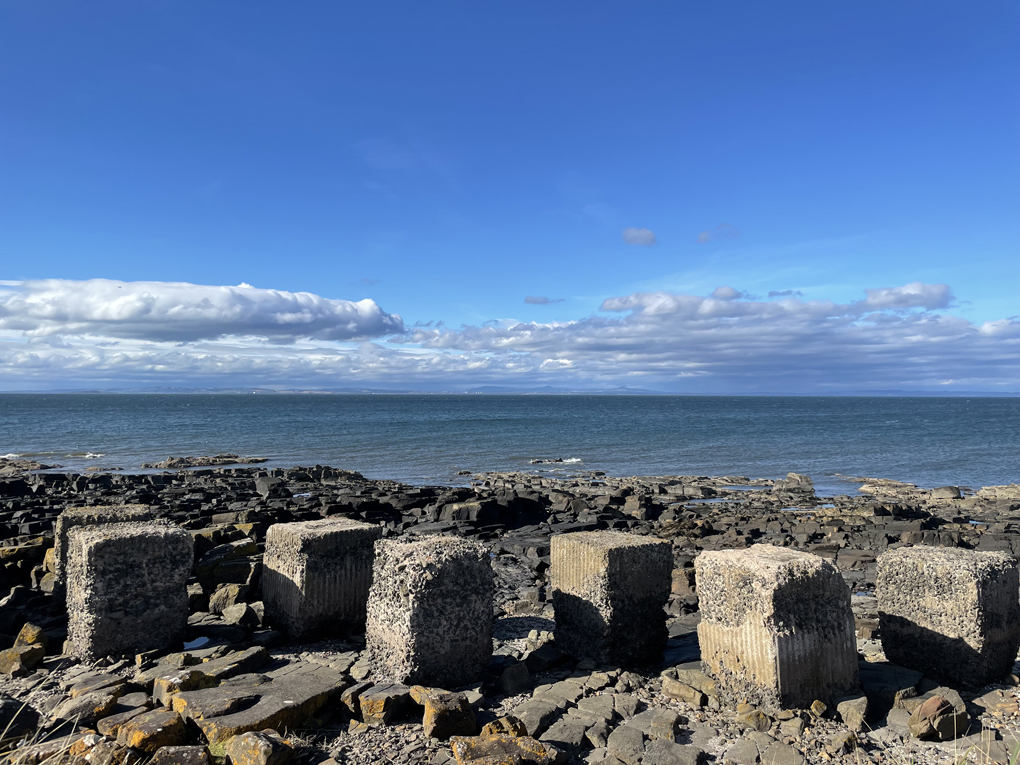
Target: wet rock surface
x=239 y=688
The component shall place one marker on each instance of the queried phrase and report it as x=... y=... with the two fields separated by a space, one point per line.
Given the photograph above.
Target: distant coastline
x=507 y=391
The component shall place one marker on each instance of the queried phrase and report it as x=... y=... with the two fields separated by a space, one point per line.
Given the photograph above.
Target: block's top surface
x=301 y=530
x=762 y=558
x=107 y=511
x=431 y=548
x=949 y=559
x=89 y=535
x=605 y=540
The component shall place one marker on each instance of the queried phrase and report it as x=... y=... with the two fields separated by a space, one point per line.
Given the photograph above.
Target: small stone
x=492 y=750
x=21 y=659
x=32 y=635
x=384 y=703
x=180 y=755
x=842 y=742
x=504 y=726
x=852 y=711
x=749 y=717
x=598 y=734
x=938 y=718
x=153 y=730
x=87 y=708
x=626 y=743
x=448 y=714
x=110 y=726
x=781 y=754
x=668 y=753
x=818 y=709
x=793 y=728
x=677 y=690
x=226 y=595
x=515 y=679
x=258 y=749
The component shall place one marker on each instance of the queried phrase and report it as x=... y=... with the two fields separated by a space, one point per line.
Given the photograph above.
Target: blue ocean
x=431 y=438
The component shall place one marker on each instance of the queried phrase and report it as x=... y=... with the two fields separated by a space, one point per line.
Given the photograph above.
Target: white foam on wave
x=572 y=460
x=88 y=455
x=10 y=456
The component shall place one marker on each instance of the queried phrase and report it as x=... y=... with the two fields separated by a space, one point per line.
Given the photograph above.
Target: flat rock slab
x=286 y=701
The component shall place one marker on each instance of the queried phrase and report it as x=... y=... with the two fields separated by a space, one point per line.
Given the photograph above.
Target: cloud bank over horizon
x=183 y=312
x=104 y=333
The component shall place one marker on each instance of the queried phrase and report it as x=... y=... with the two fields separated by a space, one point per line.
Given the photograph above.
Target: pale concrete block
x=609 y=591
x=949 y=612
x=75 y=517
x=127 y=588
x=430 y=612
x=316 y=575
x=776 y=626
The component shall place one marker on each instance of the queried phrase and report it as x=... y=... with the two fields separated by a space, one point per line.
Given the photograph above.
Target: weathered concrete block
x=127 y=587
x=430 y=612
x=776 y=626
x=950 y=612
x=609 y=590
x=316 y=575
x=75 y=517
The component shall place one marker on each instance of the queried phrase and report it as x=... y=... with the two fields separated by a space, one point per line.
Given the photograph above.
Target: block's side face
x=388 y=635
x=451 y=619
x=77 y=517
x=1000 y=620
x=639 y=581
x=581 y=596
x=283 y=578
x=338 y=578
x=743 y=659
x=318 y=583
x=738 y=647
x=813 y=627
x=948 y=612
x=127 y=588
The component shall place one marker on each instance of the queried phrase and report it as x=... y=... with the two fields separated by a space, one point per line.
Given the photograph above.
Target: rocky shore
x=239 y=689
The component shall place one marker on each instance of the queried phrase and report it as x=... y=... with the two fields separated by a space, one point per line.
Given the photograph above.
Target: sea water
x=431 y=438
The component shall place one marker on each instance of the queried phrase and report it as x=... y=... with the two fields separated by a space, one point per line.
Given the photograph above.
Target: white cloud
x=640 y=236
x=913 y=295
x=727 y=293
x=182 y=312
x=898 y=337
x=891 y=339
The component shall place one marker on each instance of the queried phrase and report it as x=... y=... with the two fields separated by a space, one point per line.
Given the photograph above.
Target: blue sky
x=449 y=160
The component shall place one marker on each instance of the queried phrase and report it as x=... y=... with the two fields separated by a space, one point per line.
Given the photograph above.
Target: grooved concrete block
x=75 y=517
x=609 y=590
x=316 y=575
x=127 y=588
x=430 y=612
x=949 y=612
x=776 y=626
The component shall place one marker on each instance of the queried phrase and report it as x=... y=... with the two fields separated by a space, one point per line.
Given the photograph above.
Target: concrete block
x=430 y=612
x=776 y=627
x=127 y=588
x=609 y=590
x=949 y=612
x=75 y=517
x=316 y=575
